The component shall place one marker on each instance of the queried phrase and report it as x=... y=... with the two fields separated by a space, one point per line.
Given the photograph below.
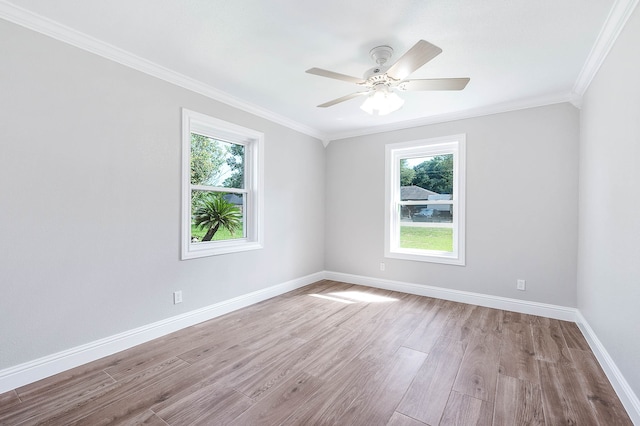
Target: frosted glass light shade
x=382 y=102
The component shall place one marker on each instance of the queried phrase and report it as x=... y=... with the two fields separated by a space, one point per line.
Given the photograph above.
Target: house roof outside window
x=414 y=192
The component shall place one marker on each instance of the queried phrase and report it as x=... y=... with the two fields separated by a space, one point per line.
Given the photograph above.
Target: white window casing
x=454 y=145
x=252 y=192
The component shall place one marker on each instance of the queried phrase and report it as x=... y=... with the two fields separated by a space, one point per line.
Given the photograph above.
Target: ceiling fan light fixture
x=382 y=81
x=382 y=102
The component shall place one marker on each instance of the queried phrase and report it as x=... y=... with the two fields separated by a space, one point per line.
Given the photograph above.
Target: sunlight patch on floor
x=354 y=297
x=335 y=299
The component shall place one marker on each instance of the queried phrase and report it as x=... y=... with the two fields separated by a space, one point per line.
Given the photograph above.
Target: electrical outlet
x=382 y=266
x=177 y=297
x=522 y=285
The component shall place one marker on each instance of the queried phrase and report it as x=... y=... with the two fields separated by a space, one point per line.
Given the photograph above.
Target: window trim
x=253 y=215
x=453 y=144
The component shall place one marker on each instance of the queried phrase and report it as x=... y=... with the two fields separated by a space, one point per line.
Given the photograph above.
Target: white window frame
x=253 y=214
x=454 y=144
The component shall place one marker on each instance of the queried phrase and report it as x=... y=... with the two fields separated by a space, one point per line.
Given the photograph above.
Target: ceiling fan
x=382 y=82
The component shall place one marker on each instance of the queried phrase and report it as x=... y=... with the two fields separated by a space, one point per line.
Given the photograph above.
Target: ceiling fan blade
x=421 y=53
x=342 y=99
x=434 y=84
x=334 y=75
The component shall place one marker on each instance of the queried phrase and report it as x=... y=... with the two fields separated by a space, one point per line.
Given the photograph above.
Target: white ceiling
x=254 y=53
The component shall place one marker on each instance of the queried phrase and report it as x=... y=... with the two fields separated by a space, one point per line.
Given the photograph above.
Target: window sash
x=423 y=202
x=219 y=189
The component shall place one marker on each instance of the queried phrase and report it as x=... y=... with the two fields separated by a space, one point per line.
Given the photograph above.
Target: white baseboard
x=627 y=396
x=496 y=302
x=32 y=371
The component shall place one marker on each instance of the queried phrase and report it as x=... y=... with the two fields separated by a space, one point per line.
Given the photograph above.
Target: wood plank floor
x=334 y=353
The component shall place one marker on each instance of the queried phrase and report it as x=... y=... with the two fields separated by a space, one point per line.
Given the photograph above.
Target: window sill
x=217 y=248
x=426 y=256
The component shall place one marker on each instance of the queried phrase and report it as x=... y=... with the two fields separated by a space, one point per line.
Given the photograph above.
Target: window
x=221 y=187
x=424 y=216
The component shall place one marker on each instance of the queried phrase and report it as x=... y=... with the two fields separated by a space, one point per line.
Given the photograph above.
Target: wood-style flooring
x=334 y=353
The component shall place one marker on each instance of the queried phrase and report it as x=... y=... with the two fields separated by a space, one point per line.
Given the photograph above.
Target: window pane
x=216 y=216
x=427 y=227
x=423 y=176
x=440 y=213
x=216 y=163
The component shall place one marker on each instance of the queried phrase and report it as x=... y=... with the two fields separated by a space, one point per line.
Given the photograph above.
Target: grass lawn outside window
x=221 y=235
x=426 y=238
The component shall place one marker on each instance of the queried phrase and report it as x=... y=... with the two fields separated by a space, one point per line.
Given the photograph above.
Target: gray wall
x=609 y=231
x=90 y=193
x=522 y=181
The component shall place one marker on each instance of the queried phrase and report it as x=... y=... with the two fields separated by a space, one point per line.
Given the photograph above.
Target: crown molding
x=461 y=115
x=58 y=31
x=618 y=16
